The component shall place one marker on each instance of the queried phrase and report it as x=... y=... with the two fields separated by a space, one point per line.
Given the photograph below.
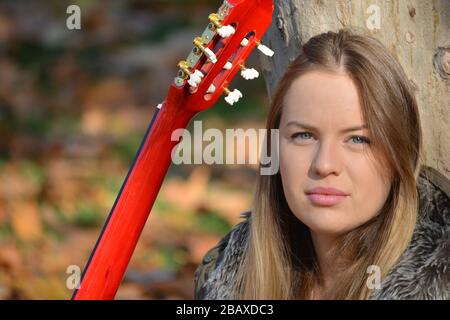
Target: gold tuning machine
x=215 y=21
x=215 y=25
x=193 y=78
x=184 y=66
x=201 y=48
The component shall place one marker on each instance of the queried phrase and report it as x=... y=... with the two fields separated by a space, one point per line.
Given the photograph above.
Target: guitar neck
x=114 y=248
x=218 y=54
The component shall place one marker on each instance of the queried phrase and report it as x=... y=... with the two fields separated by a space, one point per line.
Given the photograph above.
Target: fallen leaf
x=25 y=221
x=130 y=291
x=15 y=185
x=199 y=245
x=11 y=259
x=47 y=287
x=192 y=190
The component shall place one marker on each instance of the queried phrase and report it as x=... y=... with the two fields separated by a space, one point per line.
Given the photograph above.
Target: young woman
x=351 y=214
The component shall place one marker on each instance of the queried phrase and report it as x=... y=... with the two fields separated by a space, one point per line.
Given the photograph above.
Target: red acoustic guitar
x=217 y=55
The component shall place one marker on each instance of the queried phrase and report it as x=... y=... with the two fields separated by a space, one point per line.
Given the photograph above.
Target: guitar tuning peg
x=244 y=42
x=232 y=96
x=211 y=89
x=226 y=31
x=228 y=65
x=194 y=77
x=223 y=31
x=249 y=73
x=199 y=45
x=264 y=49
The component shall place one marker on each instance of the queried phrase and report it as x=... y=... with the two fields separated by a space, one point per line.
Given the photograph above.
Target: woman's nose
x=327 y=159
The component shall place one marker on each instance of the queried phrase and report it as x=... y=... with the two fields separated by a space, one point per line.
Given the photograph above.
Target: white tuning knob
x=211 y=56
x=244 y=42
x=228 y=65
x=249 y=73
x=232 y=96
x=226 y=31
x=211 y=89
x=195 y=78
x=266 y=50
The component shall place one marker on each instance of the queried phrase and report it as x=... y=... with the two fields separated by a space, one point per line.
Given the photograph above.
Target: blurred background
x=74 y=106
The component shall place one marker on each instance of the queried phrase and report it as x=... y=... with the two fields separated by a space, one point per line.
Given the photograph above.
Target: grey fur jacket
x=422 y=272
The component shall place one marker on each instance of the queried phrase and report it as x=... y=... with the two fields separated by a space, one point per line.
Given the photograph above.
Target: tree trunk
x=417 y=32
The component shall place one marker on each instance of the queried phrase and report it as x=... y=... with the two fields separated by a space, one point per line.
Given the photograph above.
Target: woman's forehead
x=323 y=98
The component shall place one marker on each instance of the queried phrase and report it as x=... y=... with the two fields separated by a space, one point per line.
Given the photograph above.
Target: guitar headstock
x=220 y=52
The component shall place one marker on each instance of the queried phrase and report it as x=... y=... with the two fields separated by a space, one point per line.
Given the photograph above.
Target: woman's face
x=322 y=144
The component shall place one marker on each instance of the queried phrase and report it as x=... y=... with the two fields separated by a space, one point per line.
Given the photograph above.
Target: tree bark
x=417 y=32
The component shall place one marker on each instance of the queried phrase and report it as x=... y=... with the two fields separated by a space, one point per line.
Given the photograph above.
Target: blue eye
x=304 y=135
x=360 y=139
x=301 y=135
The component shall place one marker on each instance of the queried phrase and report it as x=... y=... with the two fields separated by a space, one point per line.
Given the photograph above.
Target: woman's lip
x=325 y=199
x=327 y=191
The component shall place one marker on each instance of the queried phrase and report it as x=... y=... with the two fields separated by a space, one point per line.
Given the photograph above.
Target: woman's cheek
x=298 y=163
x=294 y=172
x=289 y=165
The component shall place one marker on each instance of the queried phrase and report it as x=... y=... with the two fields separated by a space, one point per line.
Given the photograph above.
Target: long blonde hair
x=279 y=261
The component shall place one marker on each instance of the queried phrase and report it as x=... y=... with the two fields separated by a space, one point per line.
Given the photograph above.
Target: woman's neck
x=323 y=246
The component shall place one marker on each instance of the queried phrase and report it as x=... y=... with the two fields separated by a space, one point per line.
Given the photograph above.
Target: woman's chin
x=332 y=226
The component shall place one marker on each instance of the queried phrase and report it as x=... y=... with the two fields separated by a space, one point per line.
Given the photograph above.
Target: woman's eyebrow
x=309 y=127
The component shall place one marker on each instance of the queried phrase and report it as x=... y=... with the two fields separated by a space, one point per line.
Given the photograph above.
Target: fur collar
x=422 y=272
